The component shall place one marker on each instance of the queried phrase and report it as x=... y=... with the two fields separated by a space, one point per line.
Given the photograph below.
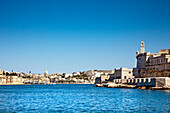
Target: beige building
x=1 y=72
x=101 y=79
x=94 y=75
x=2 y=77
x=56 y=74
x=10 y=78
x=153 y=65
x=46 y=73
x=104 y=78
x=122 y=73
x=13 y=79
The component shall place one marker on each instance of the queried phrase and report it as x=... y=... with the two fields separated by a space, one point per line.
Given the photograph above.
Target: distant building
x=94 y=74
x=10 y=78
x=2 y=77
x=56 y=74
x=98 y=73
x=13 y=79
x=1 y=72
x=122 y=73
x=66 y=75
x=46 y=73
x=76 y=73
x=153 y=65
x=44 y=80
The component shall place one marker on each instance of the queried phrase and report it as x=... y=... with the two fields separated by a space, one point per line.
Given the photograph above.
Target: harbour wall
x=150 y=82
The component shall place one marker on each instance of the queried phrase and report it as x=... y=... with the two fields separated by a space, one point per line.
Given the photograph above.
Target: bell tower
x=46 y=73
x=142 y=47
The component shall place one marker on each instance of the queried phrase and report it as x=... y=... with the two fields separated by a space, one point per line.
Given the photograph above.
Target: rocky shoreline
x=113 y=85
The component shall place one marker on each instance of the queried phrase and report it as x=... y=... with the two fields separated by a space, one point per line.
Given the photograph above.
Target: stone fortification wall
x=151 y=82
x=153 y=65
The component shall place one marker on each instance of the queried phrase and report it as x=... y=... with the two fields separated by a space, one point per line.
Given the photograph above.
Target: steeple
x=142 y=47
x=46 y=73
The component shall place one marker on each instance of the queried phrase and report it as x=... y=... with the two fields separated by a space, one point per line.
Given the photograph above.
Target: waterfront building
x=122 y=73
x=98 y=72
x=1 y=72
x=10 y=78
x=2 y=77
x=95 y=74
x=152 y=65
x=44 y=80
x=135 y=72
x=101 y=79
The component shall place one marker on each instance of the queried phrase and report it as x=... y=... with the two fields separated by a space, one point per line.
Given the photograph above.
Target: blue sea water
x=80 y=98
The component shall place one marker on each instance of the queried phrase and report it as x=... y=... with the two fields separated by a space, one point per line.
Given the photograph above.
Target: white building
x=66 y=75
x=122 y=73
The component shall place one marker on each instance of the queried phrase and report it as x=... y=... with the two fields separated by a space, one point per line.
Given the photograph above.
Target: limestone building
x=1 y=72
x=10 y=78
x=93 y=74
x=122 y=73
x=46 y=73
x=13 y=79
x=101 y=79
x=2 y=77
x=153 y=65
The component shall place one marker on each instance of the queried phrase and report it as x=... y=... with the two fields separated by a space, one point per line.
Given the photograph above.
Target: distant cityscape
x=85 y=77
x=151 y=70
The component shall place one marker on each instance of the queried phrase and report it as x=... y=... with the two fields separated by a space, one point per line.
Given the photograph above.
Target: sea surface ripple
x=80 y=98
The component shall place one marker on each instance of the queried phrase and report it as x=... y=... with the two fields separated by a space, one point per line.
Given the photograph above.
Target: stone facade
x=153 y=65
x=10 y=78
x=142 y=47
x=94 y=75
x=122 y=73
x=1 y=72
x=135 y=72
x=101 y=79
x=2 y=79
x=104 y=78
x=151 y=82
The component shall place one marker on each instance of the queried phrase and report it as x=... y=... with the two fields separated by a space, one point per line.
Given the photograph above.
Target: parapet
x=164 y=51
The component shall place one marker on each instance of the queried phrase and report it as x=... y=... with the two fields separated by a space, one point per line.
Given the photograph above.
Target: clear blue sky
x=78 y=35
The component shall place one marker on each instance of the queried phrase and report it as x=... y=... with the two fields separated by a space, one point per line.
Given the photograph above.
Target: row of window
x=157 y=61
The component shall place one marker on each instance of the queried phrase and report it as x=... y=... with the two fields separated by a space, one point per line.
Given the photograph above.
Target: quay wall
x=151 y=82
